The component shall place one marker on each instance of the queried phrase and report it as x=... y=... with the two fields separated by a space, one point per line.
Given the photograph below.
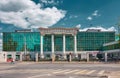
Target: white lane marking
x=37 y=76
x=80 y=72
x=71 y=71
x=101 y=72
x=90 y=72
x=61 y=71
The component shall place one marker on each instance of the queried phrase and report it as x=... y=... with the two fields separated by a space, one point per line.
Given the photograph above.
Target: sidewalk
x=81 y=62
x=115 y=74
x=58 y=62
x=64 y=62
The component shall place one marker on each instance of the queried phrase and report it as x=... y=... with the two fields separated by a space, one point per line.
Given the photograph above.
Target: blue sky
x=107 y=13
x=83 y=13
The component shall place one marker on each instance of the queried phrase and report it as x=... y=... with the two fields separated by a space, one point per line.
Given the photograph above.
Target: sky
x=32 y=14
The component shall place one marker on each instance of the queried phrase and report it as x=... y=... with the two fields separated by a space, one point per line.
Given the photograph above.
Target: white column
x=105 y=57
x=21 y=58
x=53 y=55
x=36 y=57
x=52 y=44
x=41 y=45
x=75 y=45
x=87 y=56
x=64 y=46
x=6 y=56
x=14 y=56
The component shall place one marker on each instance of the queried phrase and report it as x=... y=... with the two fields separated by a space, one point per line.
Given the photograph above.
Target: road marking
x=84 y=72
x=80 y=72
x=71 y=71
x=37 y=76
x=55 y=71
x=61 y=71
x=90 y=72
x=101 y=72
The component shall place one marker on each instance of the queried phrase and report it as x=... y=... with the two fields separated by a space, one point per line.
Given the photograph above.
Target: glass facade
x=17 y=41
x=86 y=41
x=112 y=47
x=69 y=43
x=47 y=43
x=58 y=42
x=93 y=41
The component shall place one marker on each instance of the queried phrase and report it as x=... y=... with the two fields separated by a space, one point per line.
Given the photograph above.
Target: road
x=57 y=70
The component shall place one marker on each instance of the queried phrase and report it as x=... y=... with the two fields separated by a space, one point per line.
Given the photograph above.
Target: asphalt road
x=50 y=70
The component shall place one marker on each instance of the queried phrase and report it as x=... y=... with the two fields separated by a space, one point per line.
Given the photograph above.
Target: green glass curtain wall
x=18 y=40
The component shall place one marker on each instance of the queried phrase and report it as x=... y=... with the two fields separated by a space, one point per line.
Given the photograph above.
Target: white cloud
x=1 y=34
x=112 y=29
x=89 y=18
x=78 y=26
x=73 y=16
x=49 y=2
x=99 y=27
x=94 y=14
x=25 y=13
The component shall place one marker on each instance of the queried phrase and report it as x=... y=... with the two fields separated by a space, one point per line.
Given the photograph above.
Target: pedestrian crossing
x=71 y=71
x=57 y=71
x=92 y=71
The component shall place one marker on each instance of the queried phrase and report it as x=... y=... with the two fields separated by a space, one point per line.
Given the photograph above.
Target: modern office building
x=56 y=41
x=112 y=50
